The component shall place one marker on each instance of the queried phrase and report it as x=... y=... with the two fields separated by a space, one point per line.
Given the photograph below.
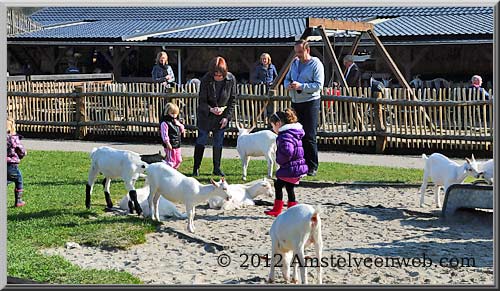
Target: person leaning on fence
x=171 y=130
x=215 y=106
x=353 y=74
x=476 y=83
x=305 y=81
x=162 y=72
x=264 y=72
x=289 y=156
x=15 y=153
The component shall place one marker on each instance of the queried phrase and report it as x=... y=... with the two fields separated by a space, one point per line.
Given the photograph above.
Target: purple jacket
x=15 y=150
x=289 y=153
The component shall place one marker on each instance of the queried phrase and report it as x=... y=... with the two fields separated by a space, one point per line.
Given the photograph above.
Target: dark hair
x=217 y=64
x=302 y=42
x=286 y=116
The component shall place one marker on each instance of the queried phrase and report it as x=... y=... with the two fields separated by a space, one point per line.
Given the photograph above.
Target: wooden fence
x=449 y=119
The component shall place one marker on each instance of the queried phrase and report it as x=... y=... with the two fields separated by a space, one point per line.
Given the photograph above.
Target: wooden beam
x=390 y=62
x=355 y=43
x=397 y=73
x=338 y=24
x=333 y=58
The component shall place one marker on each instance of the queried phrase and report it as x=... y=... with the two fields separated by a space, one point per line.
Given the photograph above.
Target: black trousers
x=278 y=190
x=308 y=114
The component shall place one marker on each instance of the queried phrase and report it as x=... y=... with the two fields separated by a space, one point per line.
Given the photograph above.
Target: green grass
x=55 y=212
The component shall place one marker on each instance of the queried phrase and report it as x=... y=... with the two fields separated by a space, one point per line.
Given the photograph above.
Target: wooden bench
x=467 y=196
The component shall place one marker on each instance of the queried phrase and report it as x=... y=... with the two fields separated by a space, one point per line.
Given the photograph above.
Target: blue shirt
x=265 y=75
x=310 y=75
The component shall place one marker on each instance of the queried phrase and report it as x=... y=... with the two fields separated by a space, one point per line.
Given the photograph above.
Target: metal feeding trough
x=467 y=196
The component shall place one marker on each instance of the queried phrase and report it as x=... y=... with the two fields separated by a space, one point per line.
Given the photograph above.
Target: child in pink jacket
x=171 y=132
x=15 y=152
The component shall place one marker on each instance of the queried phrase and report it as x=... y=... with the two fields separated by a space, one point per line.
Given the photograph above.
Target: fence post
x=81 y=130
x=381 y=138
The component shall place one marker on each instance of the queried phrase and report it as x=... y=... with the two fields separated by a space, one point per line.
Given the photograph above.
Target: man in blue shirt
x=305 y=80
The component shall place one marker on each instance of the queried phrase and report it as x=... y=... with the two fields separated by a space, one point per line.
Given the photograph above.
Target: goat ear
x=251 y=128
x=473 y=157
x=213 y=182
x=468 y=161
x=222 y=179
x=238 y=125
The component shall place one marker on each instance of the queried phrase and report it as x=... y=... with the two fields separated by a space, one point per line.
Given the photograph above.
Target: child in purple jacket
x=289 y=155
x=15 y=152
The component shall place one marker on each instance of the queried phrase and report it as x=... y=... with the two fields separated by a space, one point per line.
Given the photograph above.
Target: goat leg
x=88 y=189
x=133 y=197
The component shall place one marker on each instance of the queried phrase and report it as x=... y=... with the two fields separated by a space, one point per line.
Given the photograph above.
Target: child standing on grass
x=15 y=152
x=289 y=156
x=171 y=131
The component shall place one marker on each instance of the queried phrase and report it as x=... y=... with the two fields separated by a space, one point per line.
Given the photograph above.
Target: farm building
x=448 y=42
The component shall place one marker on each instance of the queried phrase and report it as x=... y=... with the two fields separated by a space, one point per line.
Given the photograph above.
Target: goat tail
x=316 y=214
x=424 y=156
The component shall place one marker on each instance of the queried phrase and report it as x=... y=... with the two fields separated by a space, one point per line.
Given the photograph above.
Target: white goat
x=242 y=195
x=172 y=185
x=113 y=163
x=167 y=208
x=487 y=170
x=257 y=144
x=445 y=172
x=291 y=232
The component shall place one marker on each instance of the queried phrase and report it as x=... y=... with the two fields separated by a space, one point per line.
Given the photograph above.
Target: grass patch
x=55 y=211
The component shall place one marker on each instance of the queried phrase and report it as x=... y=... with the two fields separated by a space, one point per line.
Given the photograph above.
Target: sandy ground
x=358 y=223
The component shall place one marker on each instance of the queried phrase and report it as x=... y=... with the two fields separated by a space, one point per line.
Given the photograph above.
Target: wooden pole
x=380 y=139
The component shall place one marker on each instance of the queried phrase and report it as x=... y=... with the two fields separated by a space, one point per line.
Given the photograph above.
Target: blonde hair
x=267 y=56
x=159 y=55
x=11 y=125
x=171 y=108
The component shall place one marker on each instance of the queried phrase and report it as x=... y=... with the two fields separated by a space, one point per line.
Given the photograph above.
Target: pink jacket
x=15 y=150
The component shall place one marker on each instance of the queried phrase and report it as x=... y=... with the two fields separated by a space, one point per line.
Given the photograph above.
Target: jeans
x=14 y=175
x=308 y=114
x=218 y=137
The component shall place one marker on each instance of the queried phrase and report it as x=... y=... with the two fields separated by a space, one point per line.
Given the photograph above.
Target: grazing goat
x=487 y=170
x=445 y=172
x=243 y=194
x=167 y=208
x=257 y=144
x=172 y=185
x=113 y=163
x=291 y=232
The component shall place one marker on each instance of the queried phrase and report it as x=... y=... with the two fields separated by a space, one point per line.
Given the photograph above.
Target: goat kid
x=257 y=144
x=166 y=208
x=242 y=195
x=445 y=172
x=291 y=232
x=113 y=163
x=174 y=186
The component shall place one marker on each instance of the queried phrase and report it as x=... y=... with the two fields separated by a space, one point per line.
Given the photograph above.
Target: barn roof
x=53 y=14
x=254 y=24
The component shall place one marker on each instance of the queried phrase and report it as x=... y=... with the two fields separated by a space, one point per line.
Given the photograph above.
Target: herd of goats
x=165 y=186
